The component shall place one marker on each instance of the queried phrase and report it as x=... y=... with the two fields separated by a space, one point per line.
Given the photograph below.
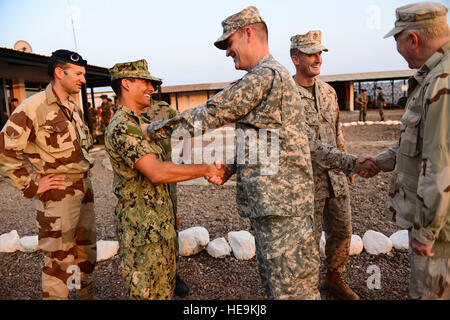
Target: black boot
x=181 y=289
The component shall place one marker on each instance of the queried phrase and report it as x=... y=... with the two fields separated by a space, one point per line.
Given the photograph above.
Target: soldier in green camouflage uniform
x=419 y=194
x=381 y=103
x=266 y=99
x=161 y=110
x=362 y=101
x=332 y=212
x=144 y=215
x=48 y=129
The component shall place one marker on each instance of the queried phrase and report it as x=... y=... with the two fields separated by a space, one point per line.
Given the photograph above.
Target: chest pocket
x=56 y=137
x=410 y=137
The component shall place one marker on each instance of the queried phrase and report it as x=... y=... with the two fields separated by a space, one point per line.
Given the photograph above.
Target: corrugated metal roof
x=369 y=76
x=362 y=76
x=194 y=87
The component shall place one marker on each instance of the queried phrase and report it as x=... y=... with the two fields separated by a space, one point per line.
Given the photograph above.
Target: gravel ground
x=215 y=208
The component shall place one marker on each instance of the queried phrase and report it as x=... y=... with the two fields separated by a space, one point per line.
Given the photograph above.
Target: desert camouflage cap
x=418 y=15
x=309 y=43
x=135 y=69
x=233 y=23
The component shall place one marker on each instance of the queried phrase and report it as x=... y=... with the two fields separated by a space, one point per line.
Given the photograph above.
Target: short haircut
x=14 y=100
x=260 y=29
x=364 y=90
x=378 y=88
x=116 y=85
x=432 y=32
x=295 y=52
x=53 y=63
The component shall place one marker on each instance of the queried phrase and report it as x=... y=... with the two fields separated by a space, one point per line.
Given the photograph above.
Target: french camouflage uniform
x=266 y=99
x=381 y=100
x=41 y=131
x=144 y=215
x=420 y=187
x=362 y=101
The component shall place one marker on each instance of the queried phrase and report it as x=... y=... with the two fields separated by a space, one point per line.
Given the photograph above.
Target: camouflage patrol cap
x=309 y=43
x=233 y=23
x=418 y=15
x=135 y=69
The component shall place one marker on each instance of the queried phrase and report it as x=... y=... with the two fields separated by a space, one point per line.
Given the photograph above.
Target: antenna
x=73 y=25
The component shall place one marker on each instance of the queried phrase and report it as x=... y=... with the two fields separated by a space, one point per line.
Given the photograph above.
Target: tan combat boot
x=336 y=286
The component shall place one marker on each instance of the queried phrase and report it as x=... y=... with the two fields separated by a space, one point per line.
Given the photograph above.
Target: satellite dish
x=23 y=46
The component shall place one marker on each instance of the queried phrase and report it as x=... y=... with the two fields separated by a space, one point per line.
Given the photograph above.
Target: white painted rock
x=218 y=248
x=346 y=124
x=376 y=243
x=107 y=164
x=356 y=245
x=243 y=244
x=106 y=249
x=354 y=123
x=322 y=243
x=400 y=240
x=388 y=122
x=361 y=123
x=28 y=244
x=9 y=242
x=369 y=123
x=193 y=240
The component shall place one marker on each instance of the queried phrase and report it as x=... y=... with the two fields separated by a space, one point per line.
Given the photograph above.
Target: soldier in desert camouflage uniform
x=278 y=202
x=331 y=195
x=420 y=188
x=106 y=109
x=144 y=216
x=48 y=129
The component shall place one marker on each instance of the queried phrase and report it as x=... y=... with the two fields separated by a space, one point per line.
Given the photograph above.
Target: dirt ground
x=215 y=209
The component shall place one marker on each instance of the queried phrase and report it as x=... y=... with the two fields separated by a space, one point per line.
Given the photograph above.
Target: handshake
x=366 y=166
x=218 y=174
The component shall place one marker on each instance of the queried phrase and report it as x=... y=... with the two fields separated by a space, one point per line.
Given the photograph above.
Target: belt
x=73 y=175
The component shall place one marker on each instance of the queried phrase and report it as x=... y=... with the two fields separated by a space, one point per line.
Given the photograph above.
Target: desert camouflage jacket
x=39 y=130
x=144 y=212
x=264 y=104
x=322 y=116
x=420 y=188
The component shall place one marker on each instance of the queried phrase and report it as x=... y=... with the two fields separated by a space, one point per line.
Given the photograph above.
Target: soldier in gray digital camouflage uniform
x=144 y=216
x=331 y=192
x=419 y=196
x=277 y=196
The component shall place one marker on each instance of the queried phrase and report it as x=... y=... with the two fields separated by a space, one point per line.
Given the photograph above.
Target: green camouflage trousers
x=149 y=270
x=288 y=257
x=430 y=276
x=66 y=222
x=333 y=215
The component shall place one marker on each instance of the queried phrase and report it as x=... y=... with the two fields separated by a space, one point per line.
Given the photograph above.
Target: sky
x=176 y=37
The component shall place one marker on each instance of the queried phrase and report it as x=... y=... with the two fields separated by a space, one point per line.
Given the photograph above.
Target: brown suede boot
x=336 y=286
